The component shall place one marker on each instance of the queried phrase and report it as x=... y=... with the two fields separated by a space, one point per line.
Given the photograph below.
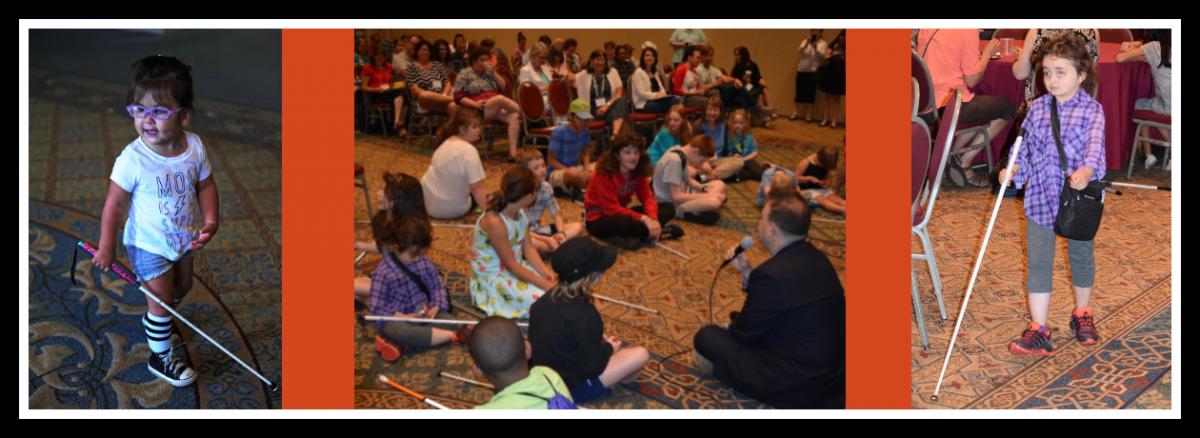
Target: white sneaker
x=1150 y=161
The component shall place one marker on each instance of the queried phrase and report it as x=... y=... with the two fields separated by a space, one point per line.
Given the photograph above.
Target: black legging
x=625 y=226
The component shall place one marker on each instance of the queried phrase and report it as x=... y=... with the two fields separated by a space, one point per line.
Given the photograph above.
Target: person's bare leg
x=572 y=229
x=183 y=278
x=625 y=364
x=1148 y=148
x=542 y=243
x=616 y=126
x=575 y=177
x=362 y=245
x=1083 y=296
x=828 y=203
x=716 y=188
x=362 y=287
x=837 y=109
x=163 y=287
x=827 y=117
x=995 y=126
x=435 y=101
x=514 y=133
x=398 y=102
x=439 y=336
x=1039 y=307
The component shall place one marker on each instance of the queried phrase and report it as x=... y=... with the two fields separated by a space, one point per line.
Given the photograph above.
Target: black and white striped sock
x=158 y=332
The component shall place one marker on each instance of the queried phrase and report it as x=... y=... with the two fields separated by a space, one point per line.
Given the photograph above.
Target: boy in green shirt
x=499 y=352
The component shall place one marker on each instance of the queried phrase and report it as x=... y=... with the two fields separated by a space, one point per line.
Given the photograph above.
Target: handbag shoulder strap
x=1062 y=155
x=414 y=277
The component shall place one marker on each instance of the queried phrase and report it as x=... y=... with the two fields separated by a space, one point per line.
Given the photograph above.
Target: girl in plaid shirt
x=406 y=284
x=1070 y=75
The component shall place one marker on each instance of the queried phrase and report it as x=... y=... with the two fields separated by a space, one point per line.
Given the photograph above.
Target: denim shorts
x=147 y=265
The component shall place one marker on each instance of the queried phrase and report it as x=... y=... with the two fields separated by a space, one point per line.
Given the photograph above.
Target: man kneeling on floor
x=786 y=347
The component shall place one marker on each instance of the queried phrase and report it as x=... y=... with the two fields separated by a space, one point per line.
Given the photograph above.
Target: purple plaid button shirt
x=392 y=291
x=1081 y=127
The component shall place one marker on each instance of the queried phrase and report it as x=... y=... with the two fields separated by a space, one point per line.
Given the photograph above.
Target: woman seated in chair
x=649 y=85
x=537 y=71
x=377 y=84
x=480 y=88
x=428 y=82
x=600 y=86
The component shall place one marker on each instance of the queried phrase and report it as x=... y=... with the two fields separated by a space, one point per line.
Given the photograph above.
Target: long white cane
x=962 y=311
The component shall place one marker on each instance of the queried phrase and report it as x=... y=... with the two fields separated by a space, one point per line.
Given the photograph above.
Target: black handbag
x=1079 y=211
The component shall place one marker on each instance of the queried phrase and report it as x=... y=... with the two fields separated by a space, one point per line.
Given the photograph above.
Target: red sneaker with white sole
x=388 y=351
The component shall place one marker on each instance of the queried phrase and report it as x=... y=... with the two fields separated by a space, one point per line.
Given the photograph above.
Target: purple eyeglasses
x=158 y=112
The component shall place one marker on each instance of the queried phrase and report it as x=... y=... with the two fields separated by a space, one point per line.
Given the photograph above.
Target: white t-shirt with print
x=162 y=209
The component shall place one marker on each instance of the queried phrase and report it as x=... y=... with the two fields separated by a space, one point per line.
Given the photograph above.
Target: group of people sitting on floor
x=785 y=347
x=526 y=268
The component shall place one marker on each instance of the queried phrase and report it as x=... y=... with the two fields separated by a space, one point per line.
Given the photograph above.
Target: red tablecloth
x=1120 y=86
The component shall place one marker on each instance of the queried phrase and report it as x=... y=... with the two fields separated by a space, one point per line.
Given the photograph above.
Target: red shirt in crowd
x=609 y=193
x=377 y=77
x=679 y=79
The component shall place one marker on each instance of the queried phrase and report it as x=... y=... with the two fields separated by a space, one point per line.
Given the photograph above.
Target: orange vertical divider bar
x=318 y=219
x=878 y=303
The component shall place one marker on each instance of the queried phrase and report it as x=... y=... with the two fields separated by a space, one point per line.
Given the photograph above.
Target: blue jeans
x=660 y=105
x=1041 y=246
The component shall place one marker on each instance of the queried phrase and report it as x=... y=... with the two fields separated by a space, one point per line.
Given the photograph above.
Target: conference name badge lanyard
x=598 y=91
x=437 y=84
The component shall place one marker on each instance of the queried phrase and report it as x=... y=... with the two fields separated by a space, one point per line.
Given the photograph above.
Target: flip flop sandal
x=977 y=182
x=956 y=175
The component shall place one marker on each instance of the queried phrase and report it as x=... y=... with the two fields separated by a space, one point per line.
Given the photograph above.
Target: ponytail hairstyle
x=461 y=118
x=1163 y=36
x=517 y=182
x=569 y=291
x=403 y=192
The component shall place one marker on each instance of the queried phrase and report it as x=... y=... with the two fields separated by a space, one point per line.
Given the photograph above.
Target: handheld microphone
x=747 y=243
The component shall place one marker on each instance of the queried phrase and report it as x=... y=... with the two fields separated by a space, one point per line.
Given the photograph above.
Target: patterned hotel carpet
x=1129 y=368
x=650 y=277
x=87 y=349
